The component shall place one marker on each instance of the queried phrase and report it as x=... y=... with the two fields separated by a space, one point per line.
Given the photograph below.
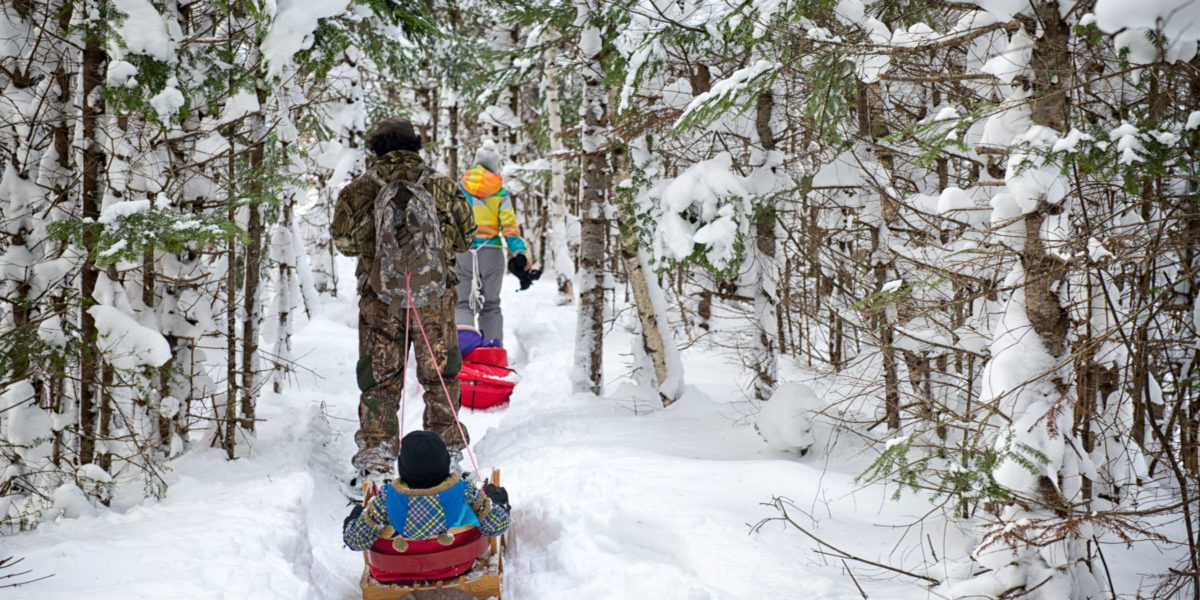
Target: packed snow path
x=611 y=498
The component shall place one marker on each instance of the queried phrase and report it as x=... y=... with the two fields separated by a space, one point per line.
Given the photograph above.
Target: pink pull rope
x=404 y=368
x=429 y=345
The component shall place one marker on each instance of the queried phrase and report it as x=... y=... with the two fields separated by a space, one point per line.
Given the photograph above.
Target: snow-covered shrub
x=785 y=420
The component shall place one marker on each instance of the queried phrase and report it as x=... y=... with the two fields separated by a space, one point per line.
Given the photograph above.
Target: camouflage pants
x=381 y=349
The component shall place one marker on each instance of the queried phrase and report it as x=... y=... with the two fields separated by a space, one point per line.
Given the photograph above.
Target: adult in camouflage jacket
x=384 y=336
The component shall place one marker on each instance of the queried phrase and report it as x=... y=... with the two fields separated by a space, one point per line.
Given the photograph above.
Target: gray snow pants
x=491 y=275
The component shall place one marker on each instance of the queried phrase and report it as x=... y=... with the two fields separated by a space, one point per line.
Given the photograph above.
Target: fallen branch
x=781 y=505
x=9 y=562
x=854 y=579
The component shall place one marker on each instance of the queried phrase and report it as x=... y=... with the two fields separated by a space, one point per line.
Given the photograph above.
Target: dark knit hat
x=424 y=461
x=393 y=133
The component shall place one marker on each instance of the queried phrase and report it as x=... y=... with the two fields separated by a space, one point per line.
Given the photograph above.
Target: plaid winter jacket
x=353 y=227
x=426 y=516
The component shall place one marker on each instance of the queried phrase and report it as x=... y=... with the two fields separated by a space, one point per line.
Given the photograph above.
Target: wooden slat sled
x=481 y=582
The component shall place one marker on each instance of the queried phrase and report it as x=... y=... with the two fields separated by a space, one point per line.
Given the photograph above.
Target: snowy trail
x=608 y=503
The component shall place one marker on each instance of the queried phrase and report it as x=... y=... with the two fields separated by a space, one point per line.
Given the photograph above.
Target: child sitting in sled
x=425 y=510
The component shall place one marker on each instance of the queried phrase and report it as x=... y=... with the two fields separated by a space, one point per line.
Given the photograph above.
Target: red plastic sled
x=486 y=379
x=497 y=357
x=426 y=560
x=472 y=565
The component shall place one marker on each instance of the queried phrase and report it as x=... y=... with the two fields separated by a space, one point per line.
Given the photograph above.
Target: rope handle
x=429 y=345
x=475 y=298
x=404 y=361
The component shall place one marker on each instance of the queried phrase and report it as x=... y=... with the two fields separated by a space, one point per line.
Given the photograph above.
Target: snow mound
x=785 y=421
x=70 y=502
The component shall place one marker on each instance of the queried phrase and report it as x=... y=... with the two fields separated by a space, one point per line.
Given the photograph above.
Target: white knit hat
x=487 y=157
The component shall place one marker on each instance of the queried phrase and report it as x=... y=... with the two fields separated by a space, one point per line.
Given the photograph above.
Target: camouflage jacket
x=353 y=227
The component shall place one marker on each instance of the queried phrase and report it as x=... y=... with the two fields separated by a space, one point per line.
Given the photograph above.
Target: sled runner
x=410 y=571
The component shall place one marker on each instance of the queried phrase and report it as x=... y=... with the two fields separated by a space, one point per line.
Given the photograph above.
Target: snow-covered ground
x=612 y=498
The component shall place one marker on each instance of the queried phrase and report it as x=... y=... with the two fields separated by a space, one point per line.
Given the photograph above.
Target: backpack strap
x=419 y=182
x=425 y=172
x=374 y=176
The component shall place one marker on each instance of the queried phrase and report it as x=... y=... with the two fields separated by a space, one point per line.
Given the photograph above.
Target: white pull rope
x=475 y=300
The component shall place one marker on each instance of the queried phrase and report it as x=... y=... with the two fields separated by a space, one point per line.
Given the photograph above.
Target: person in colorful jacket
x=426 y=501
x=481 y=269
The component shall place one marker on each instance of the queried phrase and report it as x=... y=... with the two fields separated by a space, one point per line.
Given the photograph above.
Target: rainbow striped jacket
x=493 y=210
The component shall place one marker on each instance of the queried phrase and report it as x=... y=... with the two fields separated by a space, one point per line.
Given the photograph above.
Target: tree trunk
x=1052 y=75
x=766 y=367
x=253 y=313
x=452 y=146
x=514 y=98
x=283 y=306
x=765 y=362
x=227 y=420
x=167 y=426
x=252 y=306
x=104 y=457
x=656 y=329
x=887 y=349
x=435 y=112
x=226 y=426
x=564 y=266
x=62 y=146
x=872 y=126
x=589 y=344
x=149 y=295
x=704 y=309
x=92 y=107
x=425 y=100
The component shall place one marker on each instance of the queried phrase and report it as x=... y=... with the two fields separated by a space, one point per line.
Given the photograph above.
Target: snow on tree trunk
x=335 y=162
x=452 y=166
x=308 y=289
x=764 y=353
x=283 y=254
x=37 y=122
x=564 y=265
x=884 y=332
x=764 y=269
x=1039 y=390
x=872 y=126
x=656 y=338
x=119 y=186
